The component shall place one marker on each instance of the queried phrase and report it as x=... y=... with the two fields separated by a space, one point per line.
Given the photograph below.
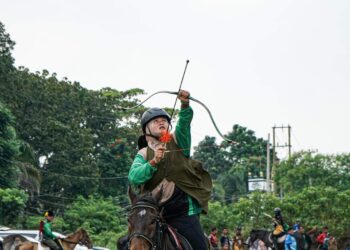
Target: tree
x=12 y=204
x=6 y=59
x=101 y=217
x=9 y=147
x=306 y=169
x=211 y=155
x=230 y=164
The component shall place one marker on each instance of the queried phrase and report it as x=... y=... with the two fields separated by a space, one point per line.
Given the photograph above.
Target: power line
x=71 y=176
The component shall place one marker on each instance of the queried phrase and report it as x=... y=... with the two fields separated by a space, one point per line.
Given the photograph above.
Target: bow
x=191 y=98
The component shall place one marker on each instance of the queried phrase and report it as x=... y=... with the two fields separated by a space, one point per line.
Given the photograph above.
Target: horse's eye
x=153 y=221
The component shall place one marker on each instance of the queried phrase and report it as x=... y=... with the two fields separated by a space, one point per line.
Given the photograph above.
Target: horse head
x=259 y=234
x=145 y=221
x=80 y=237
x=253 y=236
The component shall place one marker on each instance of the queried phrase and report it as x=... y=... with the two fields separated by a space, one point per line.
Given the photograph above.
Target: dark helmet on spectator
x=151 y=114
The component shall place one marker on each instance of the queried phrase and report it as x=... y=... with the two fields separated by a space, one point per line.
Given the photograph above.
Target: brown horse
x=68 y=243
x=147 y=228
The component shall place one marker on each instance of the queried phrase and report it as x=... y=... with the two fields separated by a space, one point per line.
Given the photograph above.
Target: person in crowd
x=238 y=239
x=290 y=242
x=213 y=240
x=225 y=239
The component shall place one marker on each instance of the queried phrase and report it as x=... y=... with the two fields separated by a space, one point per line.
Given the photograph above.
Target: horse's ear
x=133 y=197
x=158 y=194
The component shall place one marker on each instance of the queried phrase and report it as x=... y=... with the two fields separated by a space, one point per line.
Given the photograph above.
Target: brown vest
x=187 y=174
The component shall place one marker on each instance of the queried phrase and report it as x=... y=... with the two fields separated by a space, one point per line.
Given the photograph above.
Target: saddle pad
x=180 y=241
x=281 y=239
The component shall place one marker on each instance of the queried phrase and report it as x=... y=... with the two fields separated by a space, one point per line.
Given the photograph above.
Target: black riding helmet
x=151 y=114
x=277 y=210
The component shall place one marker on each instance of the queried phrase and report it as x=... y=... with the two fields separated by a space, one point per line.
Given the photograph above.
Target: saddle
x=178 y=241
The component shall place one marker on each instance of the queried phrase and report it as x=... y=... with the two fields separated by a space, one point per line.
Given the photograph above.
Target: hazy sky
x=256 y=63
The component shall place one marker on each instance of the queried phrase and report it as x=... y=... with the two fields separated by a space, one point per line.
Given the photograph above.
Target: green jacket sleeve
x=183 y=130
x=48 y=231
x=140 y=171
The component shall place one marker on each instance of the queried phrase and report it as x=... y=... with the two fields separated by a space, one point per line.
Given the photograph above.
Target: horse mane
x=82 y=230
x=147 y=198
x=259 y=230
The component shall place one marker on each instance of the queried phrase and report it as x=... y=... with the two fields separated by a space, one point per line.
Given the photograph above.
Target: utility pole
x=289 y=144
x=268 y=181
x=274 y=146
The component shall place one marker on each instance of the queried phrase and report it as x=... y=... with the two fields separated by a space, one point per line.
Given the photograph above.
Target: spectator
x=238 y=239
x=214 y=242
x=297 y=225
x=225 y=247
x=225 y=239
x=323 y=238
x=290 y=243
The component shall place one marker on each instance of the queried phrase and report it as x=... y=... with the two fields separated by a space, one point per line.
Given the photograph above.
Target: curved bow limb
x=191 y=98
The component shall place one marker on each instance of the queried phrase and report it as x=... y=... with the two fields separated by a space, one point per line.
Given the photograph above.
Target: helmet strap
x=153 y=136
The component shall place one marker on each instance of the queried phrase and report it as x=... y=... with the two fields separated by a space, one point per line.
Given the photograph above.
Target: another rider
x=279 y=226
x=163 y=162
x=48 y=238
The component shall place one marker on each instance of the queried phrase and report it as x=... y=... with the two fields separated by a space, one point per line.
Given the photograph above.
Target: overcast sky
x=256 y=63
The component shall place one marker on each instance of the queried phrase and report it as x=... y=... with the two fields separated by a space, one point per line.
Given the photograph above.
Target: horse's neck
x=265 y=237
x=28 y=246
x=262 y=235
x=69 y=245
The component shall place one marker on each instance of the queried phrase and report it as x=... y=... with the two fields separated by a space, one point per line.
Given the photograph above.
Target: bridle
x=155 y=241
x=84 y=241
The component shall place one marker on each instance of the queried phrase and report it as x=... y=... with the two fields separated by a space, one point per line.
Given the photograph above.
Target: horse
x=13 y=240
x=147 y=228
x=266 y=237
x=68 y=243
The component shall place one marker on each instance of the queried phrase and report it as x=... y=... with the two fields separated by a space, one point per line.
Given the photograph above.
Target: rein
x=80 y=242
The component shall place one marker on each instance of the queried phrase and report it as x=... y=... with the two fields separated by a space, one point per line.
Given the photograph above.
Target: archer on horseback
x=280 y=227
x=48 y=238
x=163 y=162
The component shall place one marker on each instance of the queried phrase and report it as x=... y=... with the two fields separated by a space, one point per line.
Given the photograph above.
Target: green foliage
x=33 y=222
x=103 y=219
x=306 y=169
x=246 y=146
x=72 y=129
x=235 y=182
x=9 y=147
x=320 y=206
x=211 y=155
x=220 y=216
x=6 y=59
x=231 y=164
x=12 y=204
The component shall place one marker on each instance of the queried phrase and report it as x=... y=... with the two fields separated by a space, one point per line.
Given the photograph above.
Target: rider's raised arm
x=183 y=129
